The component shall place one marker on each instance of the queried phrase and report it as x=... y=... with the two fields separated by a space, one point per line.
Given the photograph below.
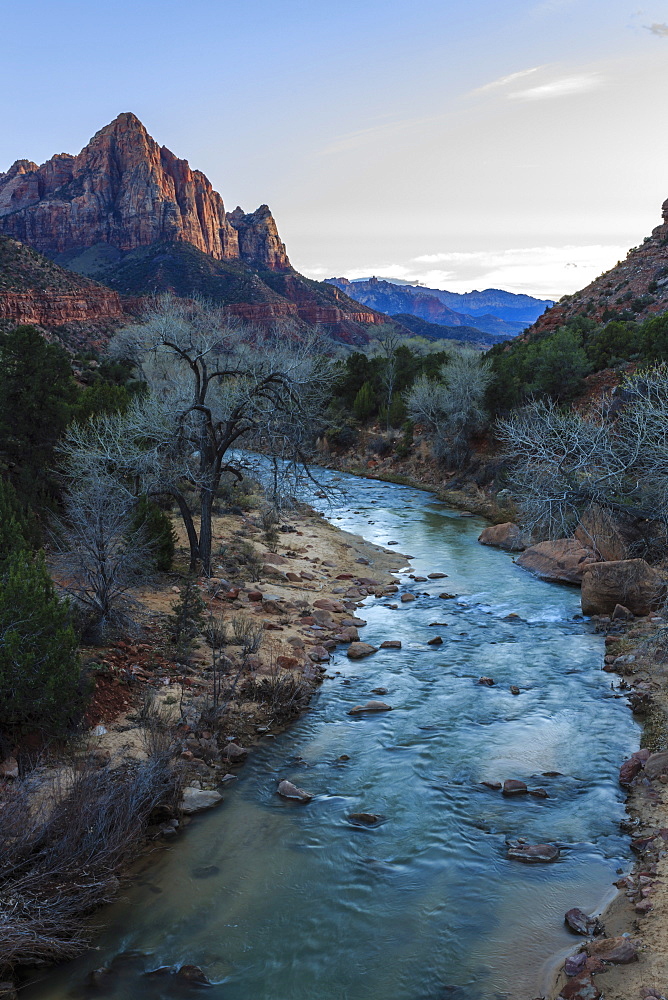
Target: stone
x=622 y=614
x=193 y=975
x=578 y=922
x=581 y=987
x=405 y=598
x=574 y=964
x=367 y=819
x=254 y=595
x=539 y=793
x=561 y=561
x=328 y=604
x=656 y=765
x=198 y=799
x=447 y=597
x=358 y=650
x=370 y=706
x=494 y=785
x=436 y=576
x=391 y=644
x=628 y=771
x=379 y=690
x=506 y=536
x=436 y=641
x=289 y=791
x=514 y=689
x=318 y=654
x=287 y=662
x=512 y=786
x=616 y=951
x=599 y=531
x=486 y=681
x=233 y=752
x=630 y=582
x=532 y=853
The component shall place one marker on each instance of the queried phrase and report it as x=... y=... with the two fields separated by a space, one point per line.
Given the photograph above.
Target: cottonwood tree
x=212 y=387
x=452 y=406
x=615 y=456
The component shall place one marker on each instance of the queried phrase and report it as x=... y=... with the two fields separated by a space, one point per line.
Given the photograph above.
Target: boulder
x=436 y=641
x=370 y=706
x=366 y=819
x=629 y=582
x=318 y=654
x=599 y=531
x=391 y=644
x=656 y=765
x=532 y=853
x=328 y=604
x=405 y=598
x=233 y=752
x=578 y=922
x=436 y=576
x=506 y=536
x=575 y=964
x=581 y=987
x=513 y=787
x=358 y=650
x=616 y=951
x=198 y=799
x=628 y=771
x=289 y=791
x=561 y=561
x=193 y=975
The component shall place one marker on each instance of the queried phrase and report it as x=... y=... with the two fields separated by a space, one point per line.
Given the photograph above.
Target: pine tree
x=41 y=689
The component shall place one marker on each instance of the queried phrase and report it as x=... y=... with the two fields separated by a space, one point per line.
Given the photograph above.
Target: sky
x=516 y=144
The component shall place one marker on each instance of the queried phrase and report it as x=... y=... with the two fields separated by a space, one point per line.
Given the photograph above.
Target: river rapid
x=282 y=901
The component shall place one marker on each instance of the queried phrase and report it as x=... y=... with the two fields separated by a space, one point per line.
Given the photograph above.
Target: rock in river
x=562 y=561
x=531 y=853
x=366 y=819
x=198 y=799
x=578 y=922
x=358 y=650
x=289 y=791
x=506 y=536
x=514 y=787
x=370 y=706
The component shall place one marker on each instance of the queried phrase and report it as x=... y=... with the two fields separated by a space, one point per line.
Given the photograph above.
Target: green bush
x=158 y=532
x=365 y=402
x=41 y=690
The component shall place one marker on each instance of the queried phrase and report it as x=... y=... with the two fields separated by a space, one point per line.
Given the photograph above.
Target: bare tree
x=614 y=457
x=100 y=555
x=212 y=387
x=452 y=406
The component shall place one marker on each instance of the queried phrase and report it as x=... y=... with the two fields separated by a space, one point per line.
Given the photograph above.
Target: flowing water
x=281 y=901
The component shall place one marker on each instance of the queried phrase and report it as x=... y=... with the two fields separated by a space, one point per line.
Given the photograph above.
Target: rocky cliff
x=35 y=290
x=635 y=289
x=125 y=190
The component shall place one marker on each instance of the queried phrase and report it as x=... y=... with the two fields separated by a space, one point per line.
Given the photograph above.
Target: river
x=281 y=901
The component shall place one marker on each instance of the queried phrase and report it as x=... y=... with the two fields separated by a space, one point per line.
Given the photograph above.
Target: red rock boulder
x=561 y=561
x=506 y=536
x=631 y=582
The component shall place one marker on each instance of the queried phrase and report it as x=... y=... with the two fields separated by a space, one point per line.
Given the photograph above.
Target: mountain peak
x=124 y=190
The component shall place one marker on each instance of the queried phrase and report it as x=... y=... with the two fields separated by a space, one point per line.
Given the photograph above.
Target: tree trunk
x=187 y=519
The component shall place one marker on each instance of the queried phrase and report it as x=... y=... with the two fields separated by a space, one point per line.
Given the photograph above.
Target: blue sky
x=517 y=143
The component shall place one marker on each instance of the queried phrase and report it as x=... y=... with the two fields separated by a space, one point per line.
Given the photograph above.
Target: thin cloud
x=565 y=87
x=504 y=80
x=658 y=29
x=358 y=138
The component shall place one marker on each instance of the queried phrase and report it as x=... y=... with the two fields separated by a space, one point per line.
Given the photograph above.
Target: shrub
x=187 y=618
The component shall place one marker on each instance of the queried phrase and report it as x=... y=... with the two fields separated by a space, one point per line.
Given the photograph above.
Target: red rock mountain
x=125 y=190
x=636 y=288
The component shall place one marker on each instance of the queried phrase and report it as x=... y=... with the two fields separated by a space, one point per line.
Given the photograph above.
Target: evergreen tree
x=365 y=402
x=18 y=530
x=41 y=690
x=36 y=395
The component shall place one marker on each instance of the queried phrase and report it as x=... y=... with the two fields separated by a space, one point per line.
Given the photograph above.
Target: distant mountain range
x=493 y=311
